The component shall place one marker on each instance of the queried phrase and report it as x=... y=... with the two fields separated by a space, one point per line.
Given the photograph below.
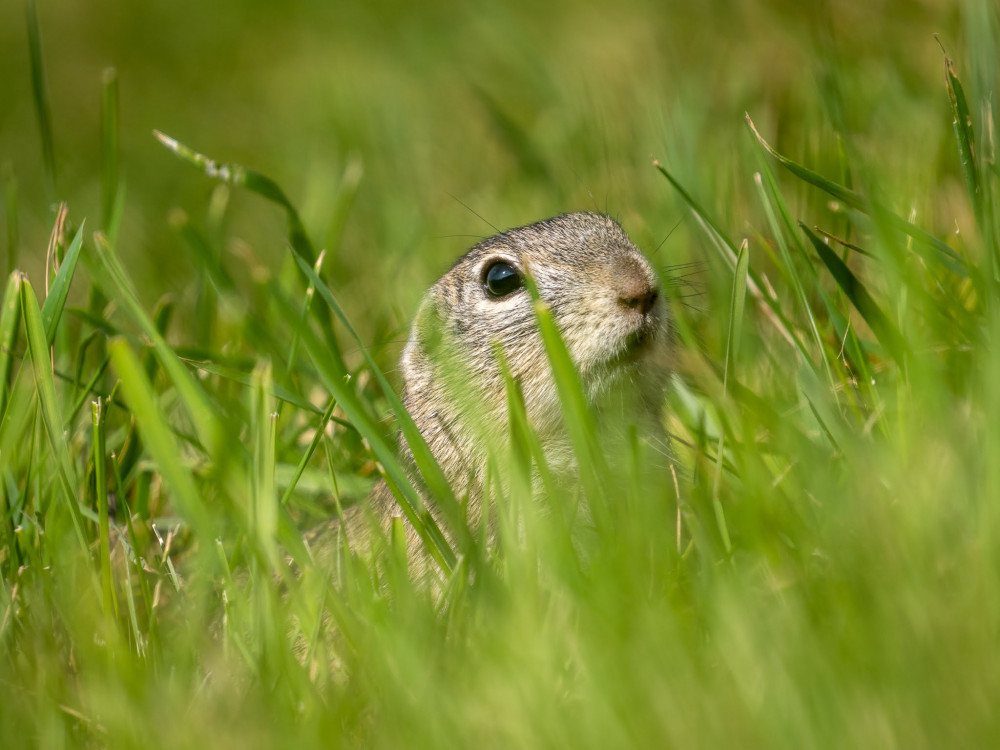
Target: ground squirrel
x=605 y=298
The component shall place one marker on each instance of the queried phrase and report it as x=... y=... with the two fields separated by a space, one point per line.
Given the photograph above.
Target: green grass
x=202 y=370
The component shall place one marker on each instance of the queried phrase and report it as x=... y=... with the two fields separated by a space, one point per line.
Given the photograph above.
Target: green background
x=826 y=572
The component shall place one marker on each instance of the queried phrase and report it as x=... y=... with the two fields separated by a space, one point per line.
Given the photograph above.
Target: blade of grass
x=965 y=139
x=38 y=349
x=848 y=197
x=90 y=387
x=862 y=300
x=263 y=499
x=137 y=559
x=336 y=380
x=524 y=442
x=577 y=415
x=207 y=425
x=788 y=237
x=101 y=487
x=306 y=306
x=525 y=449
x=236 y=174
x=728 y=253
x=771 y=198
x=313 y=444
x=737 y=302
x=844 y=243
x=8 y=535
x=133 y=616
x=716 y=230
x=159 y=440
x=437 y=484
x=397 y=542
x=245 y=379
x=10 y=316
x=55 y=300
x=40 y=97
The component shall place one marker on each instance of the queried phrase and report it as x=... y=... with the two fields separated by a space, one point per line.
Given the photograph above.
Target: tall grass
x=819 y=566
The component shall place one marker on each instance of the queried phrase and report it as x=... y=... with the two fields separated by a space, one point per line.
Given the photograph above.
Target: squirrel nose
x=641 y=302
x=636 y=291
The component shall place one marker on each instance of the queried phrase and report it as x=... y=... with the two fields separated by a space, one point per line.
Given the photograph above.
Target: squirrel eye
x=501 y=279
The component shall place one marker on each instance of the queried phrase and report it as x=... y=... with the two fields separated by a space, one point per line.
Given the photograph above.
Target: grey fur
x=604 y=296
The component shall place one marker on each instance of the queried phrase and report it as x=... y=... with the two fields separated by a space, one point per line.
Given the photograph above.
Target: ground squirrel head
x=605 y=298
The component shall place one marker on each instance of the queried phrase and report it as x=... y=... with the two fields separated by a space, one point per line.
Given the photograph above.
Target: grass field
x=181 y=399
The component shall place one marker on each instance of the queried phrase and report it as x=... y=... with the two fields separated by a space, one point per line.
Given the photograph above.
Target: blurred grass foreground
x=183 y=398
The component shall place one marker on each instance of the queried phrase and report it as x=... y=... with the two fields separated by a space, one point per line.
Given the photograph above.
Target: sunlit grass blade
x=159 y=440
x=263 y=498
x=101 y=488
x=736 y=304
x=521 y=514
x=702 y=215
x=843 y=194
x=577 y=414
x=236 y=174
x=784 y=233
x=855 y=200
x=306 y=306
x=134 y=562
x=10 y=317
x=138 y=638
x=40 y=96
x=307 y=455
x=862 y=300
x=55 y=300
x=728 y=253
x=397 y=541
x=965 y=137
x=977 y=182
x=830 y=421
x=41 y=365
x=526 y=448
x=788 y=239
